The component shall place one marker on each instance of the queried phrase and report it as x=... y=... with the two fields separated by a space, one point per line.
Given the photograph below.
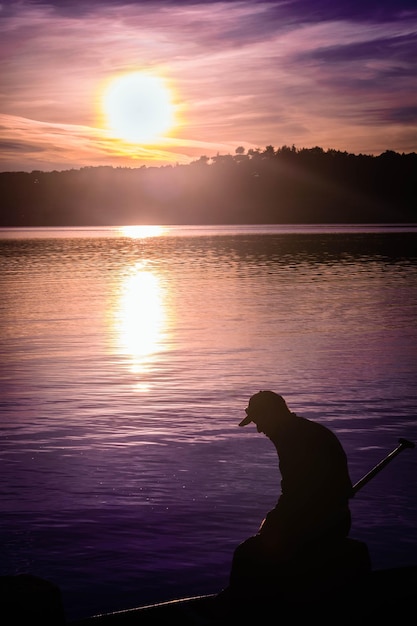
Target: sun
x=138 y=107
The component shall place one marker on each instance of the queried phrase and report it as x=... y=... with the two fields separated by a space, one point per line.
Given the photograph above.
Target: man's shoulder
x=315 y=427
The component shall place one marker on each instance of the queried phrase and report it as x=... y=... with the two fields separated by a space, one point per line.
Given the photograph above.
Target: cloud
x=402 y=115
x=77 y=145
x=16 y=147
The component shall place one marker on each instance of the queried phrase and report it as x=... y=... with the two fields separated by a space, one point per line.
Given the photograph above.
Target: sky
x=338 y=75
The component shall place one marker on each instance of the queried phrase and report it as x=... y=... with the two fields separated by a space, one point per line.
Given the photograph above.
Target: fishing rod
x=403 y=444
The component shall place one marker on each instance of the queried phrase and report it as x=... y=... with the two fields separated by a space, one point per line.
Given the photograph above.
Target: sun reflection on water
x=141 y=317
x=142 y=232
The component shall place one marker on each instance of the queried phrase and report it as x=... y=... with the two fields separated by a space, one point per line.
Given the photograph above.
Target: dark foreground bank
x=377 y=597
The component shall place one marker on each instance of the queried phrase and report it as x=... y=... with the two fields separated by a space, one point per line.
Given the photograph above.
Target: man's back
x=315 y=485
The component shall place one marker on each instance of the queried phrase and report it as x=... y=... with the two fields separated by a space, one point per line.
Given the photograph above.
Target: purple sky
x=339 y=75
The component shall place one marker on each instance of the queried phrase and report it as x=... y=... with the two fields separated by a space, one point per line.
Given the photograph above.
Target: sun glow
x=138 y=107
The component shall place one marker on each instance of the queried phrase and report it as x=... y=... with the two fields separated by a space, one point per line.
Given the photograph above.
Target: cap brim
x=246 y=420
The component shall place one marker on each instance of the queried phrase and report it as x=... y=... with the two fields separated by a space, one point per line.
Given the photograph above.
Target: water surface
x=127 y=358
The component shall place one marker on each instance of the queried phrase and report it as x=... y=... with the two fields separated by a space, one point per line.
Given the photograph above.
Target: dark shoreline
x=282 y=186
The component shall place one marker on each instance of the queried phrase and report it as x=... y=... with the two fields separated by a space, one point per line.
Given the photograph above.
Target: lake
x=128 y=356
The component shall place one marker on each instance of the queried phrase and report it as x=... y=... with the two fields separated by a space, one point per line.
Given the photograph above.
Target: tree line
x=269 y=186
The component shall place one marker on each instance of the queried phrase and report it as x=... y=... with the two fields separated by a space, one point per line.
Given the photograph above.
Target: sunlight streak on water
x=142 y=232
x=140 y=318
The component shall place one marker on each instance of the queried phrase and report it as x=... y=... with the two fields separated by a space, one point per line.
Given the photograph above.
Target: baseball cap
x=262 y=401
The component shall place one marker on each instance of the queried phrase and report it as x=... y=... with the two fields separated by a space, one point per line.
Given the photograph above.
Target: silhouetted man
x=312 y=513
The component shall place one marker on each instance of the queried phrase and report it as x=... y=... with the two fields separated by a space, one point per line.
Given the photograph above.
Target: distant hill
x=274 y=186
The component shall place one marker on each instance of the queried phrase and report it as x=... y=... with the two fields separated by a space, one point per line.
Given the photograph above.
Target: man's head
x=265 y=407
